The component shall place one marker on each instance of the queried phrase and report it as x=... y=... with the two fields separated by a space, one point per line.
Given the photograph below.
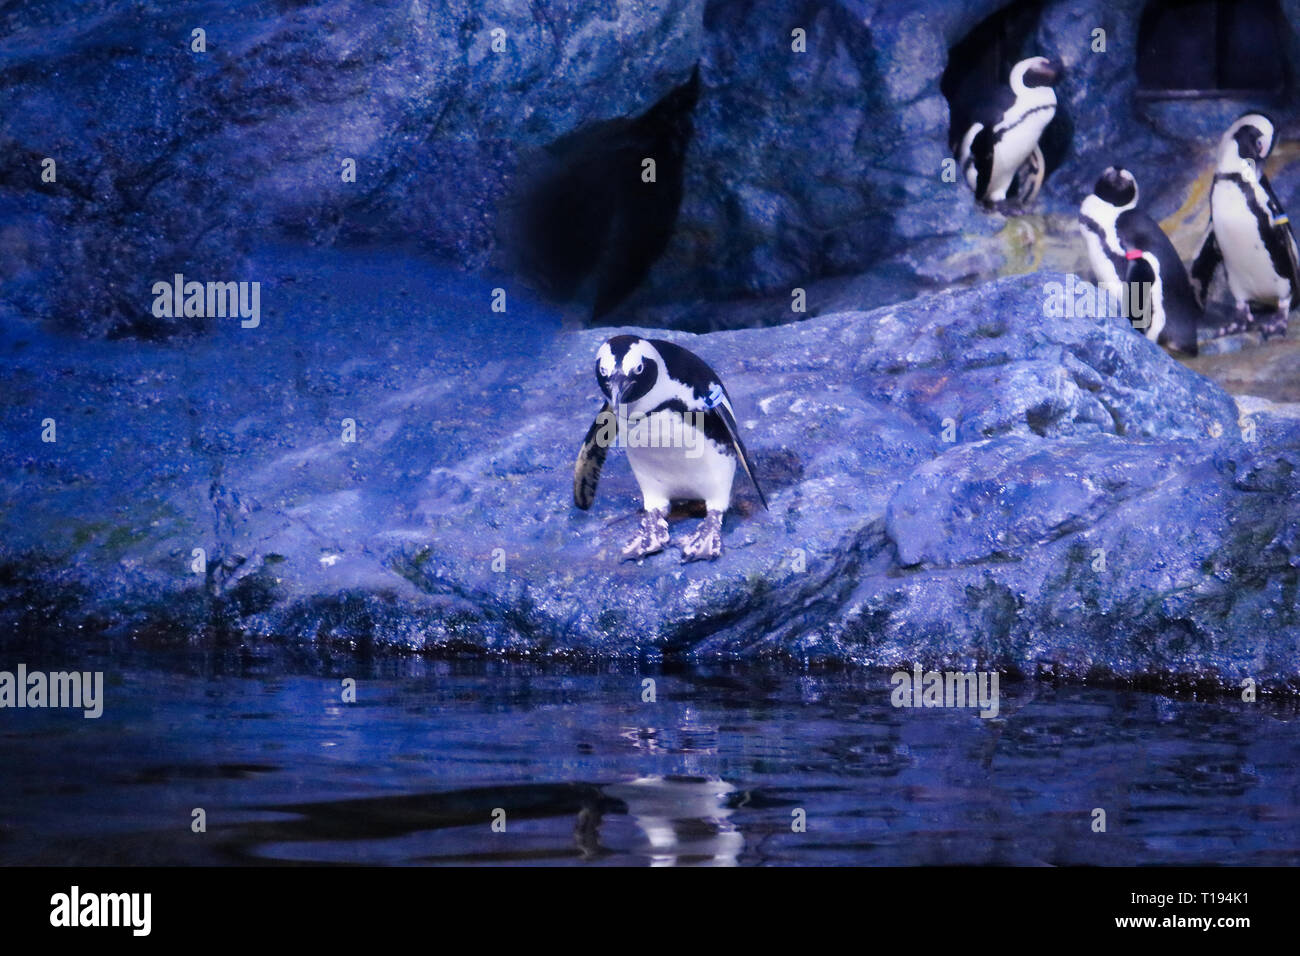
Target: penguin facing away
x=1116 y=192
x=674 y=416
x=1134 y=260
x=1005 y=127
x=1249 y=234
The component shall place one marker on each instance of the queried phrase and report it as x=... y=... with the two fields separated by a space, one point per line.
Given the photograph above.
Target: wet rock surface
x=1269 y=372
x=951 y=479
x=821 y=164
x=171 y=157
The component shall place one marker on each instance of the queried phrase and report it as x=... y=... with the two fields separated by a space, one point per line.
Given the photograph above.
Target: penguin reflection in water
x=1250 y=234
x=672 y=413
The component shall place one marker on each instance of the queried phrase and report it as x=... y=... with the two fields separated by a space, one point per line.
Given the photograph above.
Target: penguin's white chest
x=1251 y=275
x=1018 y=140
x=1102 y=268
x=671 y=458
x=1101 y=251
x=1155 y=305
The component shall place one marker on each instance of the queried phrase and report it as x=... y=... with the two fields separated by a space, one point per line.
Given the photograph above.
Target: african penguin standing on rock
x=1249 y=232
x=1134 y=261
x=671 y=412
x=1004 y=129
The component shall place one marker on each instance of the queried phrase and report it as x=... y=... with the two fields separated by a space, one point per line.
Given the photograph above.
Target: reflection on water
x=577 y=769
x=684 y=820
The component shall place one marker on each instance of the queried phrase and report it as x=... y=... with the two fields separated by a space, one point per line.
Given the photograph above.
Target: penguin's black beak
x=618 y=386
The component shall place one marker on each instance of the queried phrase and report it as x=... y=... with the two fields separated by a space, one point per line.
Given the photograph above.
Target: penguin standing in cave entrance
x=681 y=436
x=1249 y=233
x=1133 y=260
x=998 y=150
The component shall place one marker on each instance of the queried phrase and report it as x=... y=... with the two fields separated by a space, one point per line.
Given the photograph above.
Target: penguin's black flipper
x=733 y=430
x=591 y=457
x=1282 y=233
x=1140 y=279
x=981 y=151
x=1179 y=332
x=1204 y=265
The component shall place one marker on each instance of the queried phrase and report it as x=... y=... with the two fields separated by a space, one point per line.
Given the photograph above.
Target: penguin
x=675 y=417
x=1249 y=232
x=1133 y=260
x=1116 y=192
x=1002 y=134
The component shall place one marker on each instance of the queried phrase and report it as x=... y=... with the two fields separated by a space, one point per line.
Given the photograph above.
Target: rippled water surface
x=714 y=771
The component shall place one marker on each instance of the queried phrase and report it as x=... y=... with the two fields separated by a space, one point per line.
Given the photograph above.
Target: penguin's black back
x=689 y=369
x=982 y=104
x=1137 y=230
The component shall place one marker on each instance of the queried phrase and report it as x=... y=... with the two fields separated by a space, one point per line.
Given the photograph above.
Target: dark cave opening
x=1207 y=48
x=982 y=60
x=589 y=224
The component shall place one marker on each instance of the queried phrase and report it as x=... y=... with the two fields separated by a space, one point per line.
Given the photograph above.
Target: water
x=715 y=771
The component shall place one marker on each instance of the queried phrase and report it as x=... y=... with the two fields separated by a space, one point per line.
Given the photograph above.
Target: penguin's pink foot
x=706 y=543
x=1242 y=320
x=1274 y=325
x=651 y=538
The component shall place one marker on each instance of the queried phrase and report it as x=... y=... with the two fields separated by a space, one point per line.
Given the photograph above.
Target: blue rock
x=1099 y=511
x=803 y=165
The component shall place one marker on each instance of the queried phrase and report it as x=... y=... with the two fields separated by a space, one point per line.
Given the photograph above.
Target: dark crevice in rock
x=588 y=225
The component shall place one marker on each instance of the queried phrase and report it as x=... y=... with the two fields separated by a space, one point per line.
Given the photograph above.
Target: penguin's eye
x=640 y=367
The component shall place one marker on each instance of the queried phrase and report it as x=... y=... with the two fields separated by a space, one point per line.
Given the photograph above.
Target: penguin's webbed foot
x=1275 y=325
x=1242 y=320
x=706 y=543
x=651 y=538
